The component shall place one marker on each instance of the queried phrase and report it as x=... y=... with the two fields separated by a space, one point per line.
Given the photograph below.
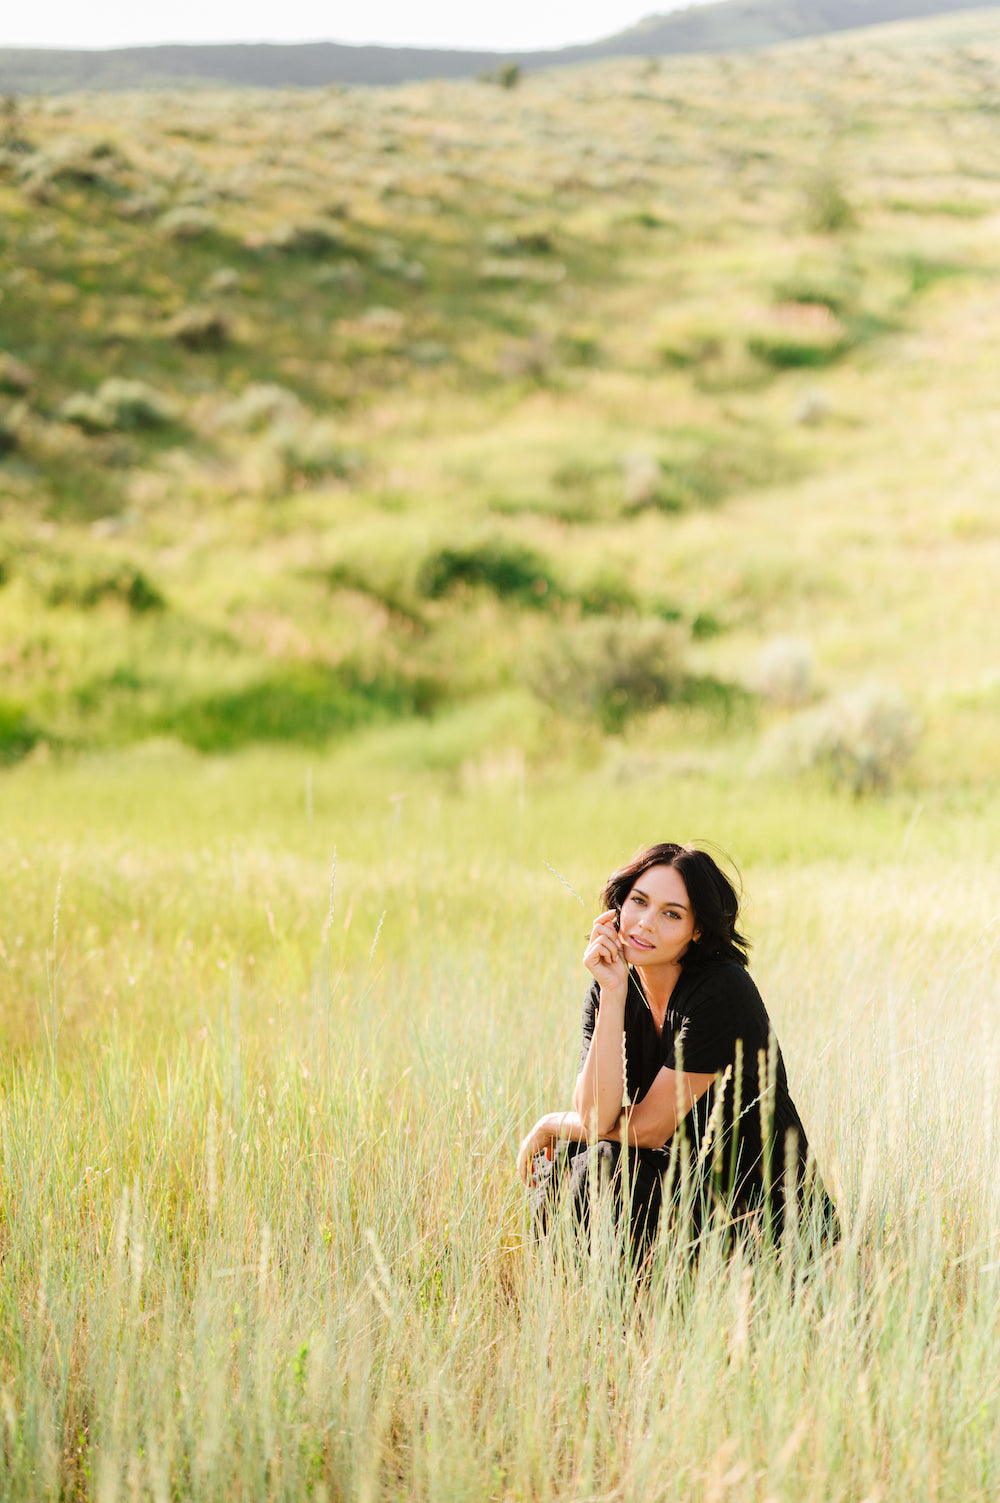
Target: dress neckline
x=640 y=988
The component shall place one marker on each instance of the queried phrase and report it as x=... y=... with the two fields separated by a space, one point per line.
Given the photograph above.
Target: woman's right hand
x=542 y=1138
x=603 y=956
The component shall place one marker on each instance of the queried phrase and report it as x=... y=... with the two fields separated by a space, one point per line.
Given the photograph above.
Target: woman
x=680 y=1063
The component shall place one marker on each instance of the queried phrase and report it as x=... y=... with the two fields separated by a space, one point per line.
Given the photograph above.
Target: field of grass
x=333 y=407
x=261 y=1235
x=410 y=502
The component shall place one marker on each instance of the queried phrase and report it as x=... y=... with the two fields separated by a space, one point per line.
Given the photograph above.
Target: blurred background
x=640 y=408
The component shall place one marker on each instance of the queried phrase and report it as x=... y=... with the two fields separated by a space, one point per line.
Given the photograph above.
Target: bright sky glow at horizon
x=517 y=25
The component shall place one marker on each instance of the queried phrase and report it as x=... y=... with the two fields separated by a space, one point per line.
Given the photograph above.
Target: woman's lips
x=637 y=944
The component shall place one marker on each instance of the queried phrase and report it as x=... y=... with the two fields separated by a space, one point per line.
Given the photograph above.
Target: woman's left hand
x=541 y=1139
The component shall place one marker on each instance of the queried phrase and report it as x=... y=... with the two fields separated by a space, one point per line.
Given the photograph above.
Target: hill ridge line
x=722 y=26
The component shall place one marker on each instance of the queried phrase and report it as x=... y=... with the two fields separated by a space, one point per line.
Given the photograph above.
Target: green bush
x=308 y=703
x=607 y=594
x=510 y=570
x=17 y=733
x=705 y=624
x=799 y=335
x=827 y=283
x=607 y=671
x=828 y=209
x=87 y=587
x=10 y=425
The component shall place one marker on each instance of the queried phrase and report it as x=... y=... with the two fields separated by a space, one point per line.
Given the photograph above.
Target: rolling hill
x=729 y=26
x=631 y=391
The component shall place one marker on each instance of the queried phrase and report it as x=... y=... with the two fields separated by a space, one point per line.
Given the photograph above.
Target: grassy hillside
x=564 y=403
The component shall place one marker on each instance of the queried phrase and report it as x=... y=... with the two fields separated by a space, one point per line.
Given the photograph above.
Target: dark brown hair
x=713 y=897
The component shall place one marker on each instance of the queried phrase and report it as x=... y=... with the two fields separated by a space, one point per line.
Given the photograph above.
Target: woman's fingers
x=526 y=1158
x=604 y=948
x=604 y=956
x=597 y=956
x=604 y=936
x=605 y=929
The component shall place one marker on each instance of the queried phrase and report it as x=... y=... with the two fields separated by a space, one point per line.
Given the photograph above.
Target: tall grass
x=261 y=1237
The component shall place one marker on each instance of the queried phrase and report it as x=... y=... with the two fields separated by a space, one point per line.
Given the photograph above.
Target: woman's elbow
x=586 y=1109
x=652 y=1135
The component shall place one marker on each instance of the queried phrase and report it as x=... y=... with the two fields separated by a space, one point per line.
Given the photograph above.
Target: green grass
x=571 y=324
x=261 y=1231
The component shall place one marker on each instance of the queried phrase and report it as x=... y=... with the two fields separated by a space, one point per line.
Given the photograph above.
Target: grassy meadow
x=261 y=1232
x=410 y=501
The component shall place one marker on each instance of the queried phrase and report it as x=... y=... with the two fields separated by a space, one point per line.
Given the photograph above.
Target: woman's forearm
x=638 y=1134
x=600 y=1087
x=652 y=1122
x=543 y=1137
x=568 y=1125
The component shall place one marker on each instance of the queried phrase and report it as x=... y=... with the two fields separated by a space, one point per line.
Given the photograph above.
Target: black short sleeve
x=587 y=1023
x=722 y=1006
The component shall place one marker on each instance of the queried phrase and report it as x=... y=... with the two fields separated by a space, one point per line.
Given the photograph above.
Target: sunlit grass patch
x=258 y=1129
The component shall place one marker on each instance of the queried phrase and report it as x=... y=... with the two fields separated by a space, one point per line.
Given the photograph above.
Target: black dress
x=740 y=1150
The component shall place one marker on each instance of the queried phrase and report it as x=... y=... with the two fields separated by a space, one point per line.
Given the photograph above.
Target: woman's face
x=657 y=920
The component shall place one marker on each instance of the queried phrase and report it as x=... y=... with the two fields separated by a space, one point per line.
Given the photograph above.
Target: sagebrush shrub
x=828 y=208
x=313 y=449
x=861 y=739
x=119 y=404
x=259 y=406
x=642 y=480
x=783 y=672
x=188 y=223
x=607 y=671
x=201 y=328
x=15 y=375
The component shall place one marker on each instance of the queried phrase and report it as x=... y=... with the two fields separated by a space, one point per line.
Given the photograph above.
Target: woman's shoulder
x=720 y=979
x=722 y=1000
